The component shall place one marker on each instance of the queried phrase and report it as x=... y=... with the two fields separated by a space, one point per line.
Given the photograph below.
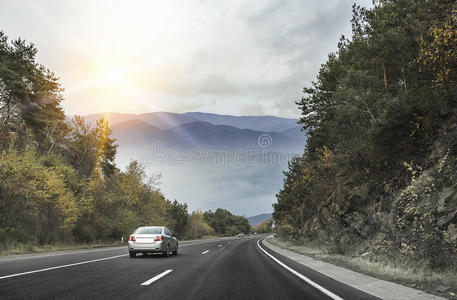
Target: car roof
x=151 y=227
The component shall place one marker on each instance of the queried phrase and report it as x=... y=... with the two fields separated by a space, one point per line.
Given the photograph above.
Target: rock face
x=415 y=215
x=425 y=211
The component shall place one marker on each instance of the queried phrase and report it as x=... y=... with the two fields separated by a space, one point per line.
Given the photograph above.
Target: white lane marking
x=302 y=277
x=204 y=252
x=60 y=267
x=219 y=246
x=157 y=277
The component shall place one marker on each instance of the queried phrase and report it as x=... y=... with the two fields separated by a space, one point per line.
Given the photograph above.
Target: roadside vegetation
x=416 y=275
x=59 y=184
x=28 y=248
x=378 y=175
x=264 y=227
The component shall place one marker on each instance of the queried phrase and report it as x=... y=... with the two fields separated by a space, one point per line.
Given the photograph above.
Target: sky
x=250 y=57
x=229 y=57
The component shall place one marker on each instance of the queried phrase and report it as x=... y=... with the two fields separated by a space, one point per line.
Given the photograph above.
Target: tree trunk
x=384 y=70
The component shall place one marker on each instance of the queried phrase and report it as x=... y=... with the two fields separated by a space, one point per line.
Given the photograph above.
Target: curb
x=379 y=288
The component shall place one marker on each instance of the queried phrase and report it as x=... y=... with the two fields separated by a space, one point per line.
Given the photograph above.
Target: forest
x=379 y=171
x=59 y=182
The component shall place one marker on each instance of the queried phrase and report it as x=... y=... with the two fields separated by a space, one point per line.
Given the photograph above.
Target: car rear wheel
x=132 y=254
x=176 y=250
x=167 y=252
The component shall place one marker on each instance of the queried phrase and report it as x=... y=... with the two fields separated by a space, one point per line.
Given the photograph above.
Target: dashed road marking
x=157 y=277
x=204 y=252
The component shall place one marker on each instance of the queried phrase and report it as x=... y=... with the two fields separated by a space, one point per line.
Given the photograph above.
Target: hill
x=256 y=220
x=201 y=136
x=259 y=123
x=167 y=120
x=162 y=120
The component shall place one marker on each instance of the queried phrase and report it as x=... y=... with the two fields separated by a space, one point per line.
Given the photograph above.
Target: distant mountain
x=256 y=220
x=201 y=136
x=244 y=171
x=166 y=120
x=112 y=117
x=162 y=120
x=259 y=123
x=134 y=133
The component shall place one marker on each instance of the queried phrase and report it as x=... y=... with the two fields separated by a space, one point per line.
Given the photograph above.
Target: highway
x=229 y=268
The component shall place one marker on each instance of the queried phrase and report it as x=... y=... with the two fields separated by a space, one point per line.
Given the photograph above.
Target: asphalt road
x=235 y=268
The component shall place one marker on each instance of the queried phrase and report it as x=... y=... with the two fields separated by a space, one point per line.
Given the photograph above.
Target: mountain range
x=244 y=182
x=166 y=120
x=204 y=131
x=161 y=120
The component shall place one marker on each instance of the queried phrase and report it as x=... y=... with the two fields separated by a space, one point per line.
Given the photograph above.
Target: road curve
x=235 y=268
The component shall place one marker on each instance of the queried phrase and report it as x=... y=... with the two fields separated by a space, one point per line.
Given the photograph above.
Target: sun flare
x=112 y=76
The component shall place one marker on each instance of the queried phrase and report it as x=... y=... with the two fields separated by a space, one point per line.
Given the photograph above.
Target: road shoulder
x=373 y=286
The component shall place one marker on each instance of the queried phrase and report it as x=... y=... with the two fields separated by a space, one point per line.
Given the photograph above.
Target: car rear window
x=149 y=230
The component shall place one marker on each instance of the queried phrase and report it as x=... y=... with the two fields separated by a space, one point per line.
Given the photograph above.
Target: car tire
x=132 y=254
x=176 y=250
x=166 y=253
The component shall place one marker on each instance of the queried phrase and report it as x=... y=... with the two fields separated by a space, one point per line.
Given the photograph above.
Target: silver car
x=152 y=239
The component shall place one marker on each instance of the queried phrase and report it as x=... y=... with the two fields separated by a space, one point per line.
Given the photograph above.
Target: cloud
x=252 y=110
x=243 y=53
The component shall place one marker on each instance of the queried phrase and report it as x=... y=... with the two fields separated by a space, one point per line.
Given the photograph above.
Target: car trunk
x=145 y=238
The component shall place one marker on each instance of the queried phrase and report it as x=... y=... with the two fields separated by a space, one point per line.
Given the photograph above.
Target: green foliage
x=30 y=96
x=106 y=148
x=82 y=142
x=438 y=50
x=197 y=227
x=59 y=181
x=179 y=216
x=384 y=101
x=35 y=203
x=225 y=223
x=91 y=149
x=264 y=227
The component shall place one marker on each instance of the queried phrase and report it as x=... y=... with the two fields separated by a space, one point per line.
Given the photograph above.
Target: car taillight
x=131 y=238
x=158 y=238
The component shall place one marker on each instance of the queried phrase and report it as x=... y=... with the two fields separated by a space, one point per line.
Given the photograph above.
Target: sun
x=112 y=83
x=112 y=76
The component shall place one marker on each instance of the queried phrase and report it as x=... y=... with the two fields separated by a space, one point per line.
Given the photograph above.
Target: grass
x=19 y=248
x=415 y=274
x=205 y=237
